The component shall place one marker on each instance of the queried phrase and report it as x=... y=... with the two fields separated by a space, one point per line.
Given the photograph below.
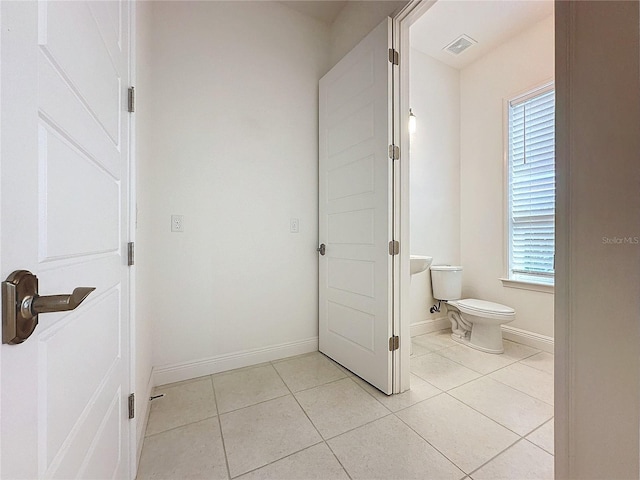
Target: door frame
x=131 y=234
x=1 y=92
x=402 y=20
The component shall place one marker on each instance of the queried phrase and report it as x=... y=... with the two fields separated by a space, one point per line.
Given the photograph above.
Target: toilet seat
x=482 y=308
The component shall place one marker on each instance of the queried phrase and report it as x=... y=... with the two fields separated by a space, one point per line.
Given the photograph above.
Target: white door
x=355 y=210
x=64 y=189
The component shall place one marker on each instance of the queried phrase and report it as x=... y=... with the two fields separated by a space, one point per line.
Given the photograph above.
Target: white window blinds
x=532 y=186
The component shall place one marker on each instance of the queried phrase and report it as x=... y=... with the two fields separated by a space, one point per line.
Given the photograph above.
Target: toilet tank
x=446 y=281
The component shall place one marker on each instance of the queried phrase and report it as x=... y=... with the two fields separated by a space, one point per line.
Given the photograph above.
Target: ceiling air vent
x=460 y=44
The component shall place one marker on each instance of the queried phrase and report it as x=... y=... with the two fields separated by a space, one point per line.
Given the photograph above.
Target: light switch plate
x=294 y=225
x=177 y=223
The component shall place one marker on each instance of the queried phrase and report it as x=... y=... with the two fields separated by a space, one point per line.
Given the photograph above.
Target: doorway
x=454 y=193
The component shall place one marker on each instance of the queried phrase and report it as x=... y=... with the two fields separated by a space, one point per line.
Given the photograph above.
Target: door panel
x=69 y=36
x=60 y=102
x=61 y=165
x=96 y=341
x=352 y=179
x=355 y=210
x=64 y=161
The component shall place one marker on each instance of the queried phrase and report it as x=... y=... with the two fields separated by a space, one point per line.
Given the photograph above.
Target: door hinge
x=394 y=247
x=394 y=58
x=131 y=100
x=394 y=343
x=394 y=152
x=130 y=253
x=132 y=406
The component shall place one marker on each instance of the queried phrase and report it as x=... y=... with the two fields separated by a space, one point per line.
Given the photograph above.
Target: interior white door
x=64 y=196
x=355 y=210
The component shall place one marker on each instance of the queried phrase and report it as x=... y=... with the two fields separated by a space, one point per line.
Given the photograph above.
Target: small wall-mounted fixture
x=412 y=122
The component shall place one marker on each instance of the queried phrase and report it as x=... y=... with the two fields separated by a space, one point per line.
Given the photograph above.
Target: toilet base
x=486 y=338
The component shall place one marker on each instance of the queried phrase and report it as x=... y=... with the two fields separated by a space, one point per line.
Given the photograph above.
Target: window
x=531 y=184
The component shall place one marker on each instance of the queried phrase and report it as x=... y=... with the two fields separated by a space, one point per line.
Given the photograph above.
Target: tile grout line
x=224 y=447
x=272 y=365
x=338 y=460
x=429 y=443
x=313 y=424
x=354 y=379
x=476 y=371
x=290 y=392
x=253 y=404
x=520 y=437
x=487 y=375
x=446 y=390
x=179 y=426
x=538 y=428
x=317 y=386
x=456 y=465
x=297 y=402
x=440 y=391
x=359 y=426
x=501 y=452
x=351 y=429
x=278 y=459
x=483 y=375
x=233 y=371
x=493 y=419
x=535 y=368
x=369 y=393
x=519 y=390
x=538 y=446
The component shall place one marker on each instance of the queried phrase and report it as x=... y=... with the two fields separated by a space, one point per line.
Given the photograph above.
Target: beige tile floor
x=468 y=415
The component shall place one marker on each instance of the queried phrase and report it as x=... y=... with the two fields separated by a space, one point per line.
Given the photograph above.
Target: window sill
x=536 y=287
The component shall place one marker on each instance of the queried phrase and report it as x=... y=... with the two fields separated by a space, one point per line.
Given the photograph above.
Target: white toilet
x=473 y=322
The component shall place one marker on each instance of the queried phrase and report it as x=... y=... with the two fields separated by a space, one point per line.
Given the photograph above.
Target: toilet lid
x=483 y=307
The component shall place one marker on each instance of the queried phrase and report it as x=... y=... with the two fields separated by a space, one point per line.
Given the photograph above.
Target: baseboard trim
x=430 y=326
x=525 y=337
x=531 y=339
x=221 y=363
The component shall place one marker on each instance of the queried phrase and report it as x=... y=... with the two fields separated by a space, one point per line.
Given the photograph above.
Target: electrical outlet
x=177 y=223
x=294 y=225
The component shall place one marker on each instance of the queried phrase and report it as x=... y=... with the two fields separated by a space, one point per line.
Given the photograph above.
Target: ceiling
x=323 y=10
x=489 y=22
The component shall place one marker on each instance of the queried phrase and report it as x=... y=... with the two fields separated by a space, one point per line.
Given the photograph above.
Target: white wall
x=233 y=115
x=522 y=63
x=597 y=283
x=355 y=21
x=435 y=173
